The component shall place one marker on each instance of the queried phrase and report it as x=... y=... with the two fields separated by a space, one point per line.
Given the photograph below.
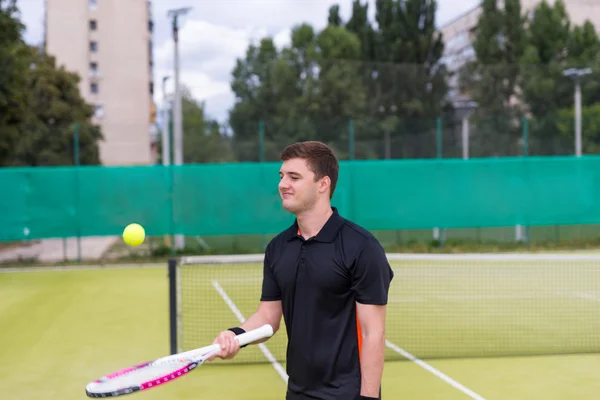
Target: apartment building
x=109 y=44
x=460 y=32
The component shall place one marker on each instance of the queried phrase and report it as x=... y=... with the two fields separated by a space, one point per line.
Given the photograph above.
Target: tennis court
x=496 y=327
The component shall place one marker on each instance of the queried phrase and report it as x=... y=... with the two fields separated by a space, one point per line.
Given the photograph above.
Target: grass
x=62 y=329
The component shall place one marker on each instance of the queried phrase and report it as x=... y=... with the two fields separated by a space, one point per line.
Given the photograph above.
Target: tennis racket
x=154 y=373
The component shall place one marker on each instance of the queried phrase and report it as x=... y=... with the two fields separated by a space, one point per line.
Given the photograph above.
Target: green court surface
x=60 y=330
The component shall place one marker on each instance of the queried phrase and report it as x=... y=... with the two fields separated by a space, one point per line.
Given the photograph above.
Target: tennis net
x=440 y=306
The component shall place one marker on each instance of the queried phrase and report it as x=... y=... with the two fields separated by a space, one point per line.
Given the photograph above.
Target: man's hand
x=269 y=312
x=229 y=346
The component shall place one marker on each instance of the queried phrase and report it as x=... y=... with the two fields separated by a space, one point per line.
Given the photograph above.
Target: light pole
x=177 y=118
x=577 y=74
x=464 y=109
x=166 y=142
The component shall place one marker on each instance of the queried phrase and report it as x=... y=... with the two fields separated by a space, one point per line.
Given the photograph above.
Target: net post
x=173 y=304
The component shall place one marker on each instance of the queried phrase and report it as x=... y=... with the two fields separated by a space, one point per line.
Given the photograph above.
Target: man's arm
x=372 y=325
x=269 y=312
x=371 y=278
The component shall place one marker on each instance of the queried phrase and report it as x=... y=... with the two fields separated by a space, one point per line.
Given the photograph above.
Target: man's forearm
x=261 y=317
x=255 y=321
x=371 y=364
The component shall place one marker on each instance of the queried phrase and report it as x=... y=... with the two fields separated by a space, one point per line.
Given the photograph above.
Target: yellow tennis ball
x=134 y=234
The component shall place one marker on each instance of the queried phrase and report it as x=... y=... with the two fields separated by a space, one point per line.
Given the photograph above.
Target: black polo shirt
x=318 y=281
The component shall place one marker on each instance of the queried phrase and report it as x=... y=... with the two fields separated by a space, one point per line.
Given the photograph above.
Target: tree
x=308 y=90
x=493 y=77
x=554 y=45
x=341 y=95
x=360 y=25
x=204 y=142
x=590 y=128
x=40 y=104
x=408 y=84
x=12 y=80
x=583 y=49
x=544 y=88
x=583 y=45
x=499 y=45
x=352 y=72
x=407 y=53
x=334 y=16
x=54 y=109
x=256 y=98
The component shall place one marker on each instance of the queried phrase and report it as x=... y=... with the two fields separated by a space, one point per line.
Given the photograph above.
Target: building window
x=93 y=70
x=93 y=25
x=94 y=46
x=93 y=4
x=151 y=88
x=94 y=88
x=99 y=110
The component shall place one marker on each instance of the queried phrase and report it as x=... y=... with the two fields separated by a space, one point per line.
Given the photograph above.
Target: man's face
x=297 y=187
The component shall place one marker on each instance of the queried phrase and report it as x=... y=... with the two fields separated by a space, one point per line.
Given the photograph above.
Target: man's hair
x=319 y=157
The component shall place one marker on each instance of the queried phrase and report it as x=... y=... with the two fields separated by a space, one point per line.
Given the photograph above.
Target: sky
x=215 y=33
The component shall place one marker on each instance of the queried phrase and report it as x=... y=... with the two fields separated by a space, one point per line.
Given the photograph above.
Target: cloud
x=208 y=53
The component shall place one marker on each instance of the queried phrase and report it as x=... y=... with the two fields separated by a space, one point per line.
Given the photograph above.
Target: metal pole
x=173 y=317
x=177 y=131
x=465 y=137
x=577 y=118
x=77 y=188
x=177 y=118
x=438 y=131
x=166 y=143
x=577 y=74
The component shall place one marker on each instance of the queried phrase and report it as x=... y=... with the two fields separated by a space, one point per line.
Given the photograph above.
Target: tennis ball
x=134 y=234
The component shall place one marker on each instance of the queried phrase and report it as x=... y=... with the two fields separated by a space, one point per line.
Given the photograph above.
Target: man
x=329 y=279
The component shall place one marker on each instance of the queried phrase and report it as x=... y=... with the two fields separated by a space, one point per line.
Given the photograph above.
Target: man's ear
x=324 y=184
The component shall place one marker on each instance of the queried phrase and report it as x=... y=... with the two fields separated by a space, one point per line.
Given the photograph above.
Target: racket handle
x=264 y=331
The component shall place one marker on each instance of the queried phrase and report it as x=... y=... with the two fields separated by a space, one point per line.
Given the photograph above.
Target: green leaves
x=554 y=45
x=204 y=141
x=352 y=72
x=307 y=90
x=39 y=104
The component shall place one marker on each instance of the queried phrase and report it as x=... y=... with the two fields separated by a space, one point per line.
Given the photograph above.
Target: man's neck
x=311 y=222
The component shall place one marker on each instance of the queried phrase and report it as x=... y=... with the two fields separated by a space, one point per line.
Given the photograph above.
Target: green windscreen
x=242 y=198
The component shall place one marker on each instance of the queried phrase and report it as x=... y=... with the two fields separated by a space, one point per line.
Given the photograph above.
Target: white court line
x=471 y=298
x=434 y=371
x=587 y=296
x=241 y=318
x=515 y=296
x=90 y=267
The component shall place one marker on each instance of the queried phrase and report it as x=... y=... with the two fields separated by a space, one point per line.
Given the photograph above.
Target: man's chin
x=288 y=206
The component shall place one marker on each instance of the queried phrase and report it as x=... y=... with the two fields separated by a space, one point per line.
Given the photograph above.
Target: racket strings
x=159 y=370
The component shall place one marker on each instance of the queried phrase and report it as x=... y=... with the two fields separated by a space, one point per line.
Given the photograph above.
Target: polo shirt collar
x=327 y=234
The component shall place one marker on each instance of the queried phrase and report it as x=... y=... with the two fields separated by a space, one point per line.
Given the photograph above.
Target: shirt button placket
x=302 y=255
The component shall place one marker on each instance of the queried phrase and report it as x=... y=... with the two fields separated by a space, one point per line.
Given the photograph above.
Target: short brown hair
x=320 y=159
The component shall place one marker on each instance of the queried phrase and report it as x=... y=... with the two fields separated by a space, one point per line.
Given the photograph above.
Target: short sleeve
x=270 y=288
x=371 y=274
